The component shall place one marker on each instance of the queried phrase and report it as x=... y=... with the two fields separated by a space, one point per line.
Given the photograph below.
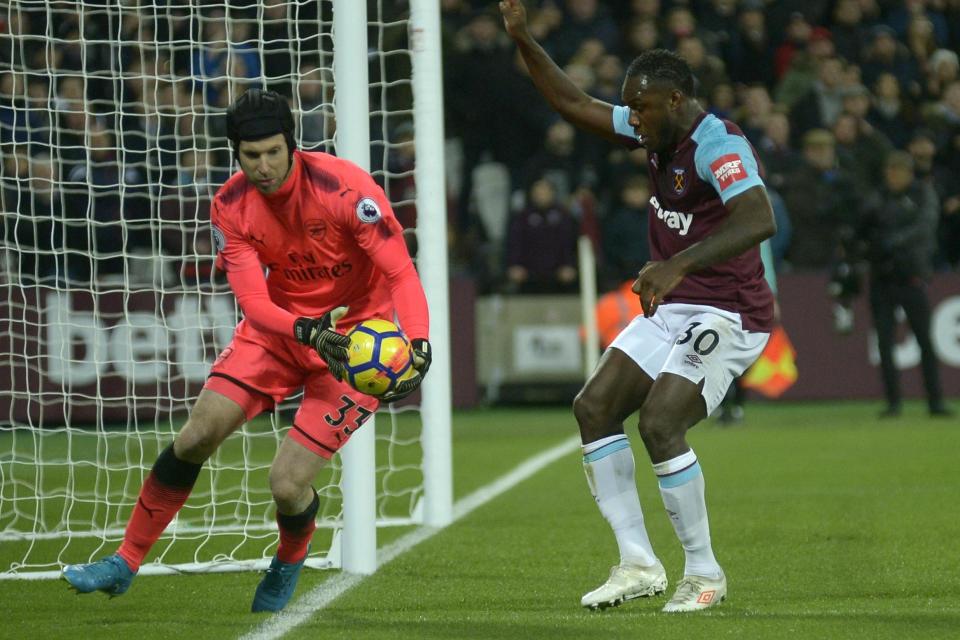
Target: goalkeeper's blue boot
x=276 y=588
x=111 y=575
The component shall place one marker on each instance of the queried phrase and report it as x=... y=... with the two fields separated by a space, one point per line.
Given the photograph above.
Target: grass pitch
x=828 y=523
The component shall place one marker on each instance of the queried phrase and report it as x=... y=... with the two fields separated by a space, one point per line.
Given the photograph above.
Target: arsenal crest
x=316 y=228
x=679 y=180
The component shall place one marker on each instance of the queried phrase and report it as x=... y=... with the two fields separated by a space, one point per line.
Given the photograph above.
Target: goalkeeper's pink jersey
x=326 y=238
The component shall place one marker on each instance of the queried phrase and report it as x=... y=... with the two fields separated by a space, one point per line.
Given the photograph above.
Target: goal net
x=111 y=312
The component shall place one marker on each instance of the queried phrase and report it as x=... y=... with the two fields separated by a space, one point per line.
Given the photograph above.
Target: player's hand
x=514 y=18
x=654 y=282
x=422 y=358
x=320 y=334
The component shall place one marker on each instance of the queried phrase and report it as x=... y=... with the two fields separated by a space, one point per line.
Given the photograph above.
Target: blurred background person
x=822 y=200
x=624 y=232
x=541 y=244
x=898 y=228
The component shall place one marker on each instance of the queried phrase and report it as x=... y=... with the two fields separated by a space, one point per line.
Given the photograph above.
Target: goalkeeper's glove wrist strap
x=302 y=329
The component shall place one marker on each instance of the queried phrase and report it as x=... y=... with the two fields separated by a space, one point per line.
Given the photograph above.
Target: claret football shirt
x=712 y=164
x=327 y=238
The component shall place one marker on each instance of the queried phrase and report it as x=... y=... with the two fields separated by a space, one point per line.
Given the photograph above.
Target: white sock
x=682 y=488
x=610 y=470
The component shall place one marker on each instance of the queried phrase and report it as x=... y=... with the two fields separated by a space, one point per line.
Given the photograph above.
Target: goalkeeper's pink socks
x=163 y=493
x=296 y=531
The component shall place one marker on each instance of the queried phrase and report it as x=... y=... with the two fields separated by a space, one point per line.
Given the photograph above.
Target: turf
x=828 y=522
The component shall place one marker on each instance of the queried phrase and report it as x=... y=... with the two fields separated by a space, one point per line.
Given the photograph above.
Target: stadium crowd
x=825 y=90
x=118 y=130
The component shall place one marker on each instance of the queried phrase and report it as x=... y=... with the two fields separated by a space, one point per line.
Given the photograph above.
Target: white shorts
x=695 y=341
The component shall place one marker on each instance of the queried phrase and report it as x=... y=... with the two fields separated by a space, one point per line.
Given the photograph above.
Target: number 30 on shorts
x=705 y=342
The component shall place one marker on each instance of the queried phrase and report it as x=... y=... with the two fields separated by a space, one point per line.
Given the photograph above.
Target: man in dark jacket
x=822 y=199
x=898 y=227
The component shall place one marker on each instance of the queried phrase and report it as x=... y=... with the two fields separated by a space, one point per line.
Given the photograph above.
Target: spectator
x=757 y=107
x=718 y=24
x=32 y=219
x=314 y=98
x=624 y=231
x=584 y=20
x=822 y=202
x=899 y=225
x=646 y=9
x=545 y=21
x=609 y=76
x=185 y=221
x=16 y=173
x=886 y=55
x=643 y=35
x=70 y=107
x=282 y=33
x=455 y=14
x=943 y=117
x=749 y=55
x=943 y=68
x=220 y=57
x=946 y=184
x=491 y=106
x=805 y=68
x=558 y=161
x=707 y=69
x=107 y=218
x=849 y=34
x=400 y=187
x=901 y=18
x=541 y=244
x=776 y=151
x=722 y=101
x=797 y=35
x=781 y=13
x=680 y=24
x=588 y=53
x=861 y=150
x=891 y=115
x=819 y=107
x=921 y=41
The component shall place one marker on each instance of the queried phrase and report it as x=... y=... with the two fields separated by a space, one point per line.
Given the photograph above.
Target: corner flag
x=775 y=370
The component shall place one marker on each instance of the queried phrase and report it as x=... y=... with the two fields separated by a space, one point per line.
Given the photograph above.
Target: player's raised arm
x=584 y=111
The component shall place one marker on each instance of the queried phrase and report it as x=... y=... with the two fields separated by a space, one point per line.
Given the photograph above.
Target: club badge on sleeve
x=368 y=211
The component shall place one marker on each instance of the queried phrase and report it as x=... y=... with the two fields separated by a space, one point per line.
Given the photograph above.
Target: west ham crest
x=679 y=180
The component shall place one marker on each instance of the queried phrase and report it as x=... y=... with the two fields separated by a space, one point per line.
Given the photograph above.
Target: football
x=379 y=357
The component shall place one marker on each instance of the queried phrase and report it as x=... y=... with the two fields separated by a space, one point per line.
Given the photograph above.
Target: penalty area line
x=309 y=604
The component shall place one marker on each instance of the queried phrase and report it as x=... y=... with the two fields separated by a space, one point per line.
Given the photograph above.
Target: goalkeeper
x=334 y=255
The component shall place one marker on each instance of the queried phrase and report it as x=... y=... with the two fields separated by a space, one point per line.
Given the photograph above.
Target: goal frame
x=354 y=547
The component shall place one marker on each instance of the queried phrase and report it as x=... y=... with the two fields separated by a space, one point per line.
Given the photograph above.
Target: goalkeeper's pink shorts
x=258 y=370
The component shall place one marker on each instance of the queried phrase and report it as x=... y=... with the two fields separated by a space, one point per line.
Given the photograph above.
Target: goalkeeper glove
x=422 y=357
x=319 y=333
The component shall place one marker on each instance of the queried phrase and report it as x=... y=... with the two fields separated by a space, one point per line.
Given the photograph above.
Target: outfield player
x=334 y=254
x=707 y=310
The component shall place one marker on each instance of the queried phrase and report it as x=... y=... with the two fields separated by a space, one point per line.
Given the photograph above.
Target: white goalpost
x=113 y=143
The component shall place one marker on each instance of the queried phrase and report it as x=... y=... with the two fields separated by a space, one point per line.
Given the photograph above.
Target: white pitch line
x=314 y=601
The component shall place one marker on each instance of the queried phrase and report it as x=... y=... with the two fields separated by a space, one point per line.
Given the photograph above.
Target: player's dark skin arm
x=750 y=222
x=578 y=108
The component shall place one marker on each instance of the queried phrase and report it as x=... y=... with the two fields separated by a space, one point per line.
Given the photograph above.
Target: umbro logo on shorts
x=694 y=359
